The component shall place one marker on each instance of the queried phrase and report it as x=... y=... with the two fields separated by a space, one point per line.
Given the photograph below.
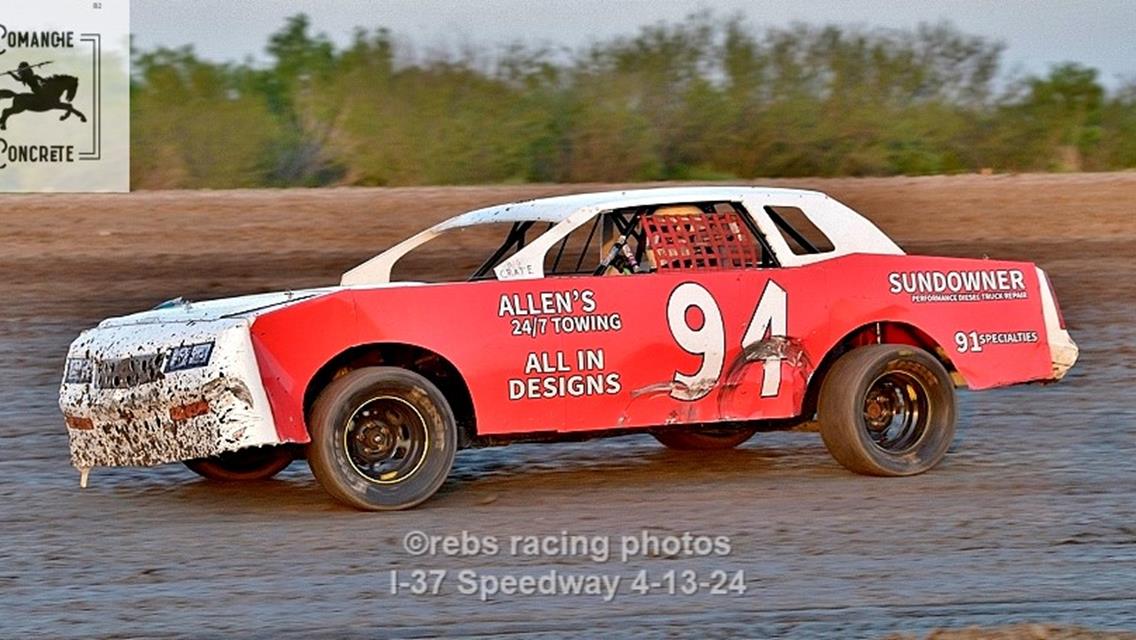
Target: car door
x=697 y=330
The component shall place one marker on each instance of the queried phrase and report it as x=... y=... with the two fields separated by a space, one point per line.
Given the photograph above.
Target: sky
x=1037 y=33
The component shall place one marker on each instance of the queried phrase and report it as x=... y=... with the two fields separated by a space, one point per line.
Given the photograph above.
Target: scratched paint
x=743 y=379
x=737 y=390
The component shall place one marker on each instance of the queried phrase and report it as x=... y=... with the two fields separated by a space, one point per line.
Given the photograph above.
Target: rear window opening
x=802 y=236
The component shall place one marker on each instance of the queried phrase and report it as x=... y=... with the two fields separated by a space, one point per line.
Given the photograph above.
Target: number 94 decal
x=707 y=339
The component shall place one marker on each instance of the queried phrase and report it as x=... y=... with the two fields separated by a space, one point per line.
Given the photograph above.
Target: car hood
x=183 y=311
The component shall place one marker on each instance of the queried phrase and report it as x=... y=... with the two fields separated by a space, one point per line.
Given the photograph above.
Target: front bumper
x=168 y=416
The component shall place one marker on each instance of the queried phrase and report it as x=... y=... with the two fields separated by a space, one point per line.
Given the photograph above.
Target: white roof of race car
x=849 y=231
x=560 y=208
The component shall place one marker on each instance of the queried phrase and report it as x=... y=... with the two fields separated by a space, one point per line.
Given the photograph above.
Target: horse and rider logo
x=53 y=92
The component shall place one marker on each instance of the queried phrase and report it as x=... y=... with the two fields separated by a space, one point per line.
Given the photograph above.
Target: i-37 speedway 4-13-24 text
x=701 y=315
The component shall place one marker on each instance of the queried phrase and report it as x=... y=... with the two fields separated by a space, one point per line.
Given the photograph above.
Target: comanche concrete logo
x=40 y=91
x=64 y=95
x=959 y=286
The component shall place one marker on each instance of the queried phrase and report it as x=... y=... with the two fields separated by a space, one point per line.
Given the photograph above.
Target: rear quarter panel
x=986 y=315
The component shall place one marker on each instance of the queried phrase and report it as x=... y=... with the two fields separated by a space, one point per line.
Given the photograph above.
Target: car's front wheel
x=243 y=465
x=383 y=438
x=887 y=410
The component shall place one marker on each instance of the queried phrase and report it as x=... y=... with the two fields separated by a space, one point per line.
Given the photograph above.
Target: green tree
x=703 y=98
x=193 y=125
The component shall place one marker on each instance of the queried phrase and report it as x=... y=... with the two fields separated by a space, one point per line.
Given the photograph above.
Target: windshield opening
x=514 y=242
x=466 y=253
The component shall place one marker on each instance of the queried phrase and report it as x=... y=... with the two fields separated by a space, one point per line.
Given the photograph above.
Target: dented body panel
x=562 y=354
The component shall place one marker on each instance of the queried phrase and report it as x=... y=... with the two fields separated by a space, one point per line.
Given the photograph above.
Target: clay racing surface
x=1031 y=518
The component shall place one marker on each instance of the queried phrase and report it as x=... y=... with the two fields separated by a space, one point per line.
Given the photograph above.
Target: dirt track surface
x=1032 y=517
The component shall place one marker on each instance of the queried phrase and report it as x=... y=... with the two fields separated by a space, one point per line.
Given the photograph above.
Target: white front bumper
x=171 y=416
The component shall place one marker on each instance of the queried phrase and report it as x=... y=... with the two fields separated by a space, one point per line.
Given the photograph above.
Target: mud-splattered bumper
x=129 y=405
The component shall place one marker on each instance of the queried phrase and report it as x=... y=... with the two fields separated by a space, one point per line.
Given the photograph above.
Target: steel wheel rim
x=896 y=411
x=386 y=440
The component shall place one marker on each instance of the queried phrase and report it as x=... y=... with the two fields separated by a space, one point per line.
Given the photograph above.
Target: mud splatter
x=141 y=431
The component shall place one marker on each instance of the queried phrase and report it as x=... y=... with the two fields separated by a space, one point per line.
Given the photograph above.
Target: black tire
x=887 y=410
x=707 y=438
x=363 y=420
x=243 y=465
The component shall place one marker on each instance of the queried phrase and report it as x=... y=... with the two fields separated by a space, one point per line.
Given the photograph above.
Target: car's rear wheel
x=704 y=438
x=243 y=465
x=887 y=410
x=383 y=438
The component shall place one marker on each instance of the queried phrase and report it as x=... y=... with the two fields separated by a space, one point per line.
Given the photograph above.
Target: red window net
x=701 y=242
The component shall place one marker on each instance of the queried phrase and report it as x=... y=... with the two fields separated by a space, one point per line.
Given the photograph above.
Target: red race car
x=698 y=314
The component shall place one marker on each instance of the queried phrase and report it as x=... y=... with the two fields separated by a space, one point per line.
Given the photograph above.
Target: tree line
x=706 y=98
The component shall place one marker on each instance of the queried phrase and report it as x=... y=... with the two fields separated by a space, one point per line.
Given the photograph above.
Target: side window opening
x=587 y=248
x=802 y=236
x=624 y=243
x=703 y=237
x=675 y=237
